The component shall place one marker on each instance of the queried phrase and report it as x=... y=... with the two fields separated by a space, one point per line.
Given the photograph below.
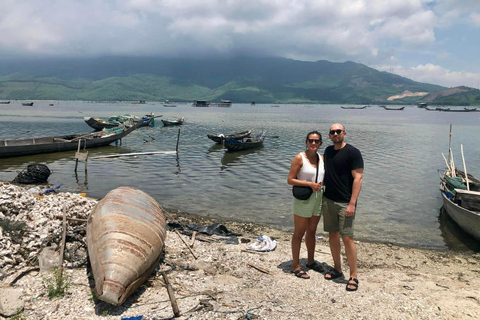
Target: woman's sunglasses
x=338 y=131
x=314 y=140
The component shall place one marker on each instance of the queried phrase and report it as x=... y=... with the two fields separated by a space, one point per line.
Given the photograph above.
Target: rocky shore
x=217 y=278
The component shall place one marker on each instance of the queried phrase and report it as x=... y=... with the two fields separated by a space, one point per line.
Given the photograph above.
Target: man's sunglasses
x=314 y=140
x=338 y=131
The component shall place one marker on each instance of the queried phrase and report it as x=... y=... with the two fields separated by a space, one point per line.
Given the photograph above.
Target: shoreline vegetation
x=213 y=277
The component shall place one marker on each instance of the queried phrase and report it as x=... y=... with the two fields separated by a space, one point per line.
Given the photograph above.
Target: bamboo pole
x=132 y=154
x=64 y=236
x=465 y=168
x=178 y=139
x=450 y=155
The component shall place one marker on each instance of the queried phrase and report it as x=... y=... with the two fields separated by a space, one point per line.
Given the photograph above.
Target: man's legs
x=351 y=253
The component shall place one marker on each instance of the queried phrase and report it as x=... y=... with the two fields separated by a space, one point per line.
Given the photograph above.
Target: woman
x=307 y=213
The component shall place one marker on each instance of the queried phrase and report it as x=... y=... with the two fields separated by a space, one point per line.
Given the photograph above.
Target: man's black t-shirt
x=338 y=179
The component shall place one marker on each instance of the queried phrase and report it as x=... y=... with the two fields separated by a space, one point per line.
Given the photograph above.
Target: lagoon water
x=399 y=203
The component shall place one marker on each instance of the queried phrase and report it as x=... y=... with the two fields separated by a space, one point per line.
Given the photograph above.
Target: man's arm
x=357 y=185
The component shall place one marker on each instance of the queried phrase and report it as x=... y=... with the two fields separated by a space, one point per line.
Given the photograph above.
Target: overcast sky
x=429 y=41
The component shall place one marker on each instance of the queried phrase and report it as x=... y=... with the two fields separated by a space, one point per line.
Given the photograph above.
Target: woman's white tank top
x=307 y=171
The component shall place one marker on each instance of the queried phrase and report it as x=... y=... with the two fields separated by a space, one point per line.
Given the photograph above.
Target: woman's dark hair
x=313 y=132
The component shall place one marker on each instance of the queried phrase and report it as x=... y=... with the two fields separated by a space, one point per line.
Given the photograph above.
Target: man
x=343 y=181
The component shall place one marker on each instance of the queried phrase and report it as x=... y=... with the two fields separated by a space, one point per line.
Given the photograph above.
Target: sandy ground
x=224 y=283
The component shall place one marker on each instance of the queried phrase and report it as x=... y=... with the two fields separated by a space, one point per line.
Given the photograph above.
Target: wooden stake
x=193 y=239
x=185 y=243
x=72 y=219
x=171 y=294
x=178 y=139
x=260 y=269
x=64 y=236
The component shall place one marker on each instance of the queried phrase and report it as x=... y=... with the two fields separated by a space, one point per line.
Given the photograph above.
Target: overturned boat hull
x=125 y=238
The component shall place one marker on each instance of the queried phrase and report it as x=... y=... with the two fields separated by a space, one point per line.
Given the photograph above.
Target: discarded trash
x=34 y=173
x=216 y=228
x=54 y=189
x=263 y=243
x=133 y=318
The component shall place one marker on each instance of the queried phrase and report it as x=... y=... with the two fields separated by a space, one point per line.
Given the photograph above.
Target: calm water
x=399 y=202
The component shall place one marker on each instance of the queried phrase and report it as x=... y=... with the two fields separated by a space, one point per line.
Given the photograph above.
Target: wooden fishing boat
x=4 y=102
x=245 y=143
x=459 y=110
x=29 y=146
x=125 y=238
x=393 y=108
x=99 y=124
x=364 y=107
x=175 y=122
x=27 y=104
x=169 y=105
x=461 y=195
x=235 y=136
x=115 y=121
x=462 y=205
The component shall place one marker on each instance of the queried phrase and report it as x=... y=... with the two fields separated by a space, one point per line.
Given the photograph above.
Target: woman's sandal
x=316 y=266
x=354 y=285
x=299 y=273
x=334 y=274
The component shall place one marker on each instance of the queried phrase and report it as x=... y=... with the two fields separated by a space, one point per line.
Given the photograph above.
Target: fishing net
x=34 y=173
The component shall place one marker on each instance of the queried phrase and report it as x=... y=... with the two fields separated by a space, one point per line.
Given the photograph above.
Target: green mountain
x=240 y=79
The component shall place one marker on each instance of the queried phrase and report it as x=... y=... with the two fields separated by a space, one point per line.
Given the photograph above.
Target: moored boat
x=175 y=122
x=462 y=205
x=27 y=104
x=29 y=146
x=114 y=121
x=235 y=136
x=125 y=236
x=364 y=107
x=461 y=196
x=393 y=108
x=245 y=143
x=4 y=102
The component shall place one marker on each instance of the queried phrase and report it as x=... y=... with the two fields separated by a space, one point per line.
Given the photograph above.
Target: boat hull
x=235 y=136
x=244 y=144
x=125 y=238
x=468 y=220
x=24 y=147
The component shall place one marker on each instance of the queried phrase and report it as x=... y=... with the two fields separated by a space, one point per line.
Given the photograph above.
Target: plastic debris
x=263 y=243
x=54 y=189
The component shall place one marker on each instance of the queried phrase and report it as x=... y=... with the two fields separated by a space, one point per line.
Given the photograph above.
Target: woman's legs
x=310 y=238
x=303 y=225
x=300 y=226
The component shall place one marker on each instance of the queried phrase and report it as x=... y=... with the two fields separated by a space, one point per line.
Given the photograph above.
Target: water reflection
x=455 y=238
x=230 y=158
x=215 y=148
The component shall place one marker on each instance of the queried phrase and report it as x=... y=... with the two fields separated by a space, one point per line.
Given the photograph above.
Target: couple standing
x=340 y=170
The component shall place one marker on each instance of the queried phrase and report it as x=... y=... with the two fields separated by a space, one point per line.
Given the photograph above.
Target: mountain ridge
x=239 y=79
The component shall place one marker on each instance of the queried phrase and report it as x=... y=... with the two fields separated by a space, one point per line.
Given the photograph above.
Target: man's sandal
x=354 y=285
x=334 y=274
x=316 y=266
x=299 y=273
